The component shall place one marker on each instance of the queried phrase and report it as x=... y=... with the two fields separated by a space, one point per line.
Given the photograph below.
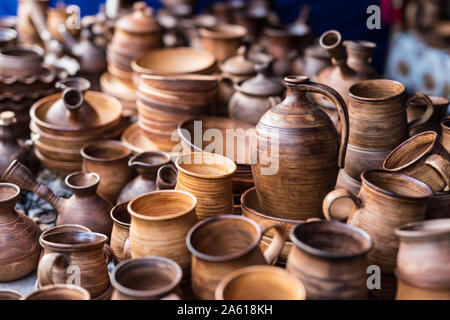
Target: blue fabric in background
x=347 y=16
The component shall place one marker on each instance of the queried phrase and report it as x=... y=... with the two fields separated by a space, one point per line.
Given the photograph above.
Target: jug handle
x=277 y=244
x=425 y=117
x=442 y=166
x=48 y=263
x=108 y=253
x=334 y=195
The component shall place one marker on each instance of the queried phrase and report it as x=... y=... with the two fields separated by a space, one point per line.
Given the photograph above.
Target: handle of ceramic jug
x=334 y=195
x=425 y=117
x=277 y=244
x=442 y=166
x=108 y=253
x=172 y=296
x=49 y=263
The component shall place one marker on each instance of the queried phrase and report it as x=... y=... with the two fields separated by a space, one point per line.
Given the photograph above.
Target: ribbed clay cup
x=208 y=177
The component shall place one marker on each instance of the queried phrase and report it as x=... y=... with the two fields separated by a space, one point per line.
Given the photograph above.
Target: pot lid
x=263 y=84
x=140 y=21
x=239 y=64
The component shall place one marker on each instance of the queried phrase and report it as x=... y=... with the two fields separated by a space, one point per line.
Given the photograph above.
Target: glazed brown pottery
x=152 y=278
x=120 y=245
x=417 y=108
x=160 y=221
x=9 y=295
x=424 y=158
x=386 y=201
x=109 y=159
x=445 y=135
x=84 y=207
x=330 y=258
x=220 y=245
x=208 y=177
x=302 y=142
x=147 y=165
x=222 y=40
x=59 y=292
x=19 y=246
x=423 y=261
x=70 y=250
x=166 y=178
x=260 y=283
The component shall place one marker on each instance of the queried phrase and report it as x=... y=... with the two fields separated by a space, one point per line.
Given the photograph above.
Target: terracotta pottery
x=21 y=61
x=424 y=158
x=147 y=165
x=445 y=135
x=423 y=261
x=10 y=295
x=64 y=251
x=220 y=245
x=208 y=177
x=222 y=40
x=84 y=207
x=417 y=108
x=306 y=145
x=260 y=283
x=438 y=205
x=59 y=292
x=135 y=140
x=166 y=178
x=330 y=258
x=153 y=278
x=386 y=201
x=109 y=159
x=160 y=221
x=120 y=245
x=19 y=246
x=8 y=37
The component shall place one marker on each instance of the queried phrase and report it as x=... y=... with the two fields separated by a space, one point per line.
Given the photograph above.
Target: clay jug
x=19 y=237
x=305 y=152
x=85 y=207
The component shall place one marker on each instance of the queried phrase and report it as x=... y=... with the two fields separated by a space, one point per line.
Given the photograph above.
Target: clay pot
x=120 y=245
x=135 y=140
x=147 y=165
x=19 y=248
x=260 y=283
x=166 y=178
x=64 y=251
x=109 y=159
x=208 y=177
x=437 y=207
x=8 y=37
x=445 y=136
x=386 y=201
x=422 y=157
x=330 y=258
x=160 y=221
x=307 y=146
x=220 y=245
x=222 y=40
x=84 y=207
x=59 y=292
x=21 y=61
x=422 y=261
x=153 y=278
x=10 y=295
x=417 y=108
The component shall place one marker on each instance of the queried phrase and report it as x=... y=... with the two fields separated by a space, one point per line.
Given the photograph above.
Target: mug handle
x=48 y=263
x=277 y=244
x=334 y=195
x=171 y=296
x=108 y=253
x=425 y=117
x=442 y=166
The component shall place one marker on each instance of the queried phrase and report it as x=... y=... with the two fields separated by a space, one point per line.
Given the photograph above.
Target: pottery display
x=208 y=177
x=19 y=246
x=147 y=165
x=308 y=146
x=222 y=40
x=220 y=245
x=151 y=278
x=330 y=258
x=445 y=133
x=417 y=108
x=59 y=292
x=84 y=207
x=120 y=245
x=423 y=261
x=166 y=177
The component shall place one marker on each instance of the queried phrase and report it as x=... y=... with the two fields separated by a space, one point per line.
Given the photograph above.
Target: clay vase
x=302 y=142
x=59 y=292
x=109 y=159
x=386 y=201
x=152 y=278
x=120 y=245
x=74 y=250
x=330 y=258
x=84 y=207
x=222 y=40
x=445 y=133
x=160 y=221
x=423 y=158
x=416 y=109
x=19 y=246
x=147 y=165
x=423 y=261
x=208 y=177
x=166 y=178
x=260 y=283
x=220 y=245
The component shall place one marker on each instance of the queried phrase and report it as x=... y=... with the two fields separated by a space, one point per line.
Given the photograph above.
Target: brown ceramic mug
x=151 y=278
x=424 y=158
x=260 y=283
x=59 y=292
x=220 y=245
x=120 y=244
